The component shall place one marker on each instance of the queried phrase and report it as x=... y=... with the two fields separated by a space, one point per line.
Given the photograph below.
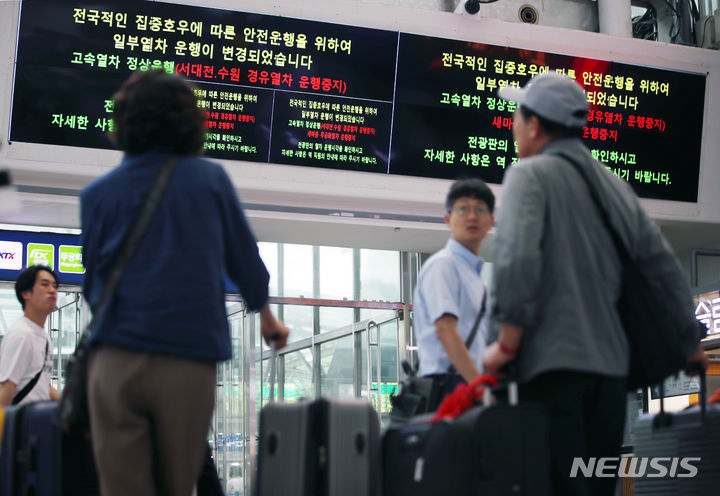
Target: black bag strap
x=132 y=240
x=30 y=385
x=473 y=332
x=620 y=247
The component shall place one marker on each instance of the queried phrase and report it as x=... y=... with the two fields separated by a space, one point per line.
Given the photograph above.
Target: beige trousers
x=149 y=416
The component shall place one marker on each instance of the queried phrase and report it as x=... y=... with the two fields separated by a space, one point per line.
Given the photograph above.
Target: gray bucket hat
x=552 y=96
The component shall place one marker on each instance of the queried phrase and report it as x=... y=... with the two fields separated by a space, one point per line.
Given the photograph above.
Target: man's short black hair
x=552 y=129
x=471 y=187
x=26 y=280
x=155 y=109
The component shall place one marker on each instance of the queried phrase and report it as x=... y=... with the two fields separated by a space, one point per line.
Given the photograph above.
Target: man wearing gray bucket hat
x=557 y=279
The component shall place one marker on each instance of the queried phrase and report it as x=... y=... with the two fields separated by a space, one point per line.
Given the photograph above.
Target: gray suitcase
x=689 y=444
x=326 y=447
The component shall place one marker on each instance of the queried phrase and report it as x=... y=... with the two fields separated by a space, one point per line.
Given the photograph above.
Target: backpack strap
x=30 y=385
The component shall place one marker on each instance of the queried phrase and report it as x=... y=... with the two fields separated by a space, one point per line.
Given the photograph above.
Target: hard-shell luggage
x=678 y=453
x=511 y=448
x=10 y=436
x=37 y=458
x=326 y=447
x=428 y=459
x=490 y=449
x=31 y=451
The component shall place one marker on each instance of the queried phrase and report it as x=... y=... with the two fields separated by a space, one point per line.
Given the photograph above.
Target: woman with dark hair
x=152 y=369
x=157 y=110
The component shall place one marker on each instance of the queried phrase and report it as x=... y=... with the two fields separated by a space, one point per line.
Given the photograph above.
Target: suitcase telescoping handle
x=273 y=363
x=511 y=384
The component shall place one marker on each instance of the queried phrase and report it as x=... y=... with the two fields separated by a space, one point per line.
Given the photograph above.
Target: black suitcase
x=428 y=459
x=326 y=447
x=501 y=449
x=37 y=458
x=31 y=451
x=10 y=435
x=688 y=444
x=511 y=448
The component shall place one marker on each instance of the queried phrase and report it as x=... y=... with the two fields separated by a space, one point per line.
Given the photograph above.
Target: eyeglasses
x=464 y=210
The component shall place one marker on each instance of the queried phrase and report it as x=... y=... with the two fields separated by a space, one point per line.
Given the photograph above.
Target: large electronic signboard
x=644 y=124
x=279 y=90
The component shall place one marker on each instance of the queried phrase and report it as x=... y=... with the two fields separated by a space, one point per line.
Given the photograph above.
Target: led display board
x=279 y=90
x=644 y=124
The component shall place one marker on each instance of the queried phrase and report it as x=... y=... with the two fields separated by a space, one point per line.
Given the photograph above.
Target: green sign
x=70 y=258
x=41 y=254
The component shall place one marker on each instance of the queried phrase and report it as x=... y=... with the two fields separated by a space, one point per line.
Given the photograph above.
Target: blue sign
x=62 y=252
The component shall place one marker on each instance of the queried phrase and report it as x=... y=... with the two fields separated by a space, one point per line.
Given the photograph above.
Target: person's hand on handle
x=273 y=329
